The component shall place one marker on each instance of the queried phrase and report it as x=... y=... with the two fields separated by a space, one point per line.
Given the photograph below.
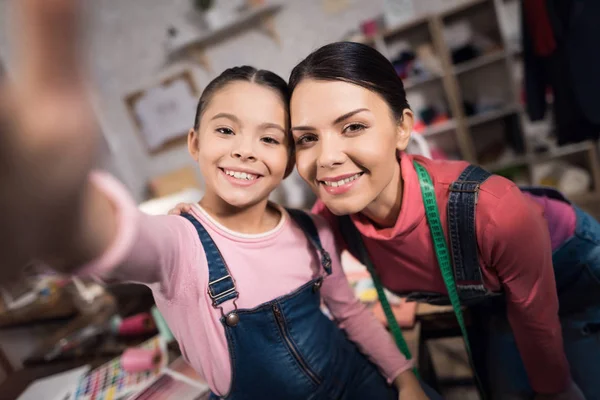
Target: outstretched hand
x=47 y=134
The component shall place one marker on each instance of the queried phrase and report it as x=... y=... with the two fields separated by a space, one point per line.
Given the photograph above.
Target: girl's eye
x=352 y=128
x=270 y=140
x=306 y=139
x=225 y=131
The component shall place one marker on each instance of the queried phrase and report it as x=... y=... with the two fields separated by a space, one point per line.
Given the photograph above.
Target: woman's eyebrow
x=335 y=122
x=348 y=115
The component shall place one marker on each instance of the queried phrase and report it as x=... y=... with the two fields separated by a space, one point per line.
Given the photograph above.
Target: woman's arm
x=516 y=242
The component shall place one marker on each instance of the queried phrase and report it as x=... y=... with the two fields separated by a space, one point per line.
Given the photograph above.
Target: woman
x=351 y=122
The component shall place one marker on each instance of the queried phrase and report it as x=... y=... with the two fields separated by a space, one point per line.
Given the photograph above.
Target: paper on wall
x=166 y=113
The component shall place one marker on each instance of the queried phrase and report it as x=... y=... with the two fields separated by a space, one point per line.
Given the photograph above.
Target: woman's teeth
x=240 y=175
x=342 y=181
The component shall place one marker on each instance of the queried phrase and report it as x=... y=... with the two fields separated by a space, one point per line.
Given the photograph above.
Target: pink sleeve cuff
x=408 y=364
x=127 y=223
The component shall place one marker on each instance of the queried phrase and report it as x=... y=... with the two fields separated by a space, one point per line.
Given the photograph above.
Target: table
x=17 y=382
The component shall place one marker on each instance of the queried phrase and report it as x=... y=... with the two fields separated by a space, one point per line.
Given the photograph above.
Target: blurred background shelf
x=477 y=91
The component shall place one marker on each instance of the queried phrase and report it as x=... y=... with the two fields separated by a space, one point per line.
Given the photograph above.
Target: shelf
x=392 y=31
x=488 y=116
x=562 y=151
x=207 y=36
x=192 y=44
x=535 y=158
x=411 y=83
x=517 y=161
x=480 y=62
x=462 y=7
x=437 y=129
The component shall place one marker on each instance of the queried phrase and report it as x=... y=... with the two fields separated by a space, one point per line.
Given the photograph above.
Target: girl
x=238 y=279
x=351 y=122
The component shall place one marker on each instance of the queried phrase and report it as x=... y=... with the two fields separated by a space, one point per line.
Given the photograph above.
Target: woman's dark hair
x=354 y=63
x=243 y=73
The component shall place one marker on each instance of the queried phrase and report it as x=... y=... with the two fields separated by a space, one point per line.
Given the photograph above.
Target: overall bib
x=287 y=348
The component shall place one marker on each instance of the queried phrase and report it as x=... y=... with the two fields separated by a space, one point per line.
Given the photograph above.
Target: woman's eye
x=354 y=128
x=270 y=140
x=225 y=131
x=305 y=139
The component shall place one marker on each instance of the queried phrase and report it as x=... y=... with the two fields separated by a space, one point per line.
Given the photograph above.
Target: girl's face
x=346 y=143
x=241 y=145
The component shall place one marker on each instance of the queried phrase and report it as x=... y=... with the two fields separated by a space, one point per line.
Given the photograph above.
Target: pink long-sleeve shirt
x=165 y=253
x=515 y=252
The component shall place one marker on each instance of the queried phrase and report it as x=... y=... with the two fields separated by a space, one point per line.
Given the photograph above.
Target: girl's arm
x=360 y=324
x=53 y=209
x=47 y=140
x=50 y=210
x=145 y=249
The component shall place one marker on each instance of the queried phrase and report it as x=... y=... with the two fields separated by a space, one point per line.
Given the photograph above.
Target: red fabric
x=538 y=23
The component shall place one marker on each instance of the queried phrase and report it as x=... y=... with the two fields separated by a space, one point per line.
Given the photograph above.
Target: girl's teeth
x=240 y=175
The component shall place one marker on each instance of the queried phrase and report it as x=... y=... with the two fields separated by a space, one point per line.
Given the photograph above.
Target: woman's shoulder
x=445 y=172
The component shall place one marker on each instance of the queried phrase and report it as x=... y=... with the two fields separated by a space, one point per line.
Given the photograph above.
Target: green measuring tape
x=385 y=304
x=443 y=256
x=354 y=239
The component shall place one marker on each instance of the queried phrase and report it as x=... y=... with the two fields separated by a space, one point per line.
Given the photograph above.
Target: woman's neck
x=385 y=209
x=257 y=218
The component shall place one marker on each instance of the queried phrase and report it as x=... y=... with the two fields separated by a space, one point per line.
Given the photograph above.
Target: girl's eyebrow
x=227 y=116
x=272 y=125
x=264 y=125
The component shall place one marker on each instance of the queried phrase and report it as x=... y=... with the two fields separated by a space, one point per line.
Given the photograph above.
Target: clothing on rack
x=560 y=52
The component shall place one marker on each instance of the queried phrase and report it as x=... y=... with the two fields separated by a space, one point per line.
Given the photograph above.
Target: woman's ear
x=193 y=143
x=404 y=129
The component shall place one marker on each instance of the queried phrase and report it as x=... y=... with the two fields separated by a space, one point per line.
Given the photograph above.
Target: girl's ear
x=193 y=143
x=404 y=129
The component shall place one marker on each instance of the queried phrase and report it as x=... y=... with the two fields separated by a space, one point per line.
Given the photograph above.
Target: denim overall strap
x=221 y=286
x=306 y=223
x=463 y=236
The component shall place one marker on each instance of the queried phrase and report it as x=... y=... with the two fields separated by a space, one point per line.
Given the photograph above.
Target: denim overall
x=287 y=348
x=577 y=271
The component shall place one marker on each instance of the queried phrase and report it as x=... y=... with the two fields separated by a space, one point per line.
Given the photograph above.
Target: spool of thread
x=140 y=360
x=138 y=324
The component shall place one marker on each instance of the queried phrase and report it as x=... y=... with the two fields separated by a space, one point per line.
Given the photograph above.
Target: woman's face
x=346 y=143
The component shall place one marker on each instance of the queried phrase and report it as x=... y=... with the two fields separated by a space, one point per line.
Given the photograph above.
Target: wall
x=126 y=53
